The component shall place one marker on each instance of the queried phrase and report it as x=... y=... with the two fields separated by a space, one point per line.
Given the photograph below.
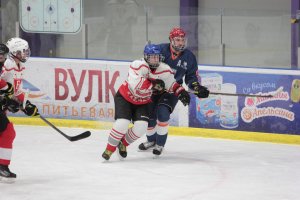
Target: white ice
x=49 y=167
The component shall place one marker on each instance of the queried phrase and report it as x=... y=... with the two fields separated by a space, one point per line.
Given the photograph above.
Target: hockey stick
x=70 y=138
x=239 y=94
x=270 y=95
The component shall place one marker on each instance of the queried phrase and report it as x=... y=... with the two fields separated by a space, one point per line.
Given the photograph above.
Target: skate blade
x=104 y=160
x=7 y=180
x=156 y=156
x=120 y=157
x=147 y=150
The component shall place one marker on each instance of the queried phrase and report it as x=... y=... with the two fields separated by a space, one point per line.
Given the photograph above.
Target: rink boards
x=179 y=131
x=76 y=92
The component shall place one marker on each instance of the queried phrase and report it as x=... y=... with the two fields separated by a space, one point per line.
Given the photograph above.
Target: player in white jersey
x=12 y=99
x=145 y=77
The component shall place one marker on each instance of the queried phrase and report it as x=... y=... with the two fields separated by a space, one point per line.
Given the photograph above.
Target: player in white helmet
x=12 y=99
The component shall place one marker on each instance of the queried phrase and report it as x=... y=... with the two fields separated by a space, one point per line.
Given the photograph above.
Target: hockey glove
x=158 y=86
x=30 y=109
x=200 y=91
x=9 y=91
x=184 y=97
x=10 y=105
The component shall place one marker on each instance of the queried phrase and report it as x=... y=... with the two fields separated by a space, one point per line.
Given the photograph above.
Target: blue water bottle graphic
x=208 y=109
x=229 y=117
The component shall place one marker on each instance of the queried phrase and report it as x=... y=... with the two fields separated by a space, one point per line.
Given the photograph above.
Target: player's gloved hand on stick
x=199 y=90
x=30 y=109
x=184 y=97
x=158 y=86
x=9 y=91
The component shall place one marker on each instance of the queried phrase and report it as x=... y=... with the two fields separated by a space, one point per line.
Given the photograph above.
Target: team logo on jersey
x=17 y=84
x=182 y=65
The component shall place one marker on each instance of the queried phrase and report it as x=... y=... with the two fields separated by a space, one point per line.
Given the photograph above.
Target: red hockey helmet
x=177 y=32
x=178 y=39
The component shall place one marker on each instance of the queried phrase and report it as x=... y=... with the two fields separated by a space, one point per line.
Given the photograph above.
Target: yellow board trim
x=180 y=131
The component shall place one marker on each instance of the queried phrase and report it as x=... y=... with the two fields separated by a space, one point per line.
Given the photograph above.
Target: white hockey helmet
x=18 y=48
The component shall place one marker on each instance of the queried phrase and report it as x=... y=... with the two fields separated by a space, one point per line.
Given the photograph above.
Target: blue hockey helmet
x=152 y=55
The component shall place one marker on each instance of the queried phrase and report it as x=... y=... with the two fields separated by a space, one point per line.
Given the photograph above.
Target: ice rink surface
x=49 y=167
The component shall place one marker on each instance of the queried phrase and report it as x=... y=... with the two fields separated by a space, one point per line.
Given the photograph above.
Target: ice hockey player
x=184 y=64
x=145 y=77
x=12 y=98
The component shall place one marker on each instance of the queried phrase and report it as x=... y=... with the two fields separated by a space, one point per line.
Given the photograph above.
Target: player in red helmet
x=184 y=65
x=177 y=39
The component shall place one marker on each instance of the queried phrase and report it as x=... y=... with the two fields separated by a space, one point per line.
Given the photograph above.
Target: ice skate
x=122 y=150
x=107 y=154
x=146 y=145
x=157 y=150
x=6 y=175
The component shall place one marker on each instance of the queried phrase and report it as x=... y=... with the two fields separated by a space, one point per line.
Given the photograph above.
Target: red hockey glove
x=182 y=94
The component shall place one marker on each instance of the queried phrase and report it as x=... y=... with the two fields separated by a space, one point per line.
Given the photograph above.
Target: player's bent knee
x=140 y=128
x=163 y=113
x=121 y=125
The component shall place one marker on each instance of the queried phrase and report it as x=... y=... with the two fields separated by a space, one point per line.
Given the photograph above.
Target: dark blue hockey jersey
x=184 y=66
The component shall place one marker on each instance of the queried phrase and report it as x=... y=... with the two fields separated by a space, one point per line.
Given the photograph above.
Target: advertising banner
x=84 y=90
x=277 y=114
x=74 y=89
x=78 y=89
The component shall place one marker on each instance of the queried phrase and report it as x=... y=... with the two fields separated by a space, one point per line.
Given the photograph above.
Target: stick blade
x=80 y=136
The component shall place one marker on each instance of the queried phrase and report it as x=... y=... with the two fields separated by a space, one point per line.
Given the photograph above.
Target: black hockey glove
x=199 y=90
x=9 y=91
x=158 y=86
x=10 y=105
x=184 y=97
x=30 y=109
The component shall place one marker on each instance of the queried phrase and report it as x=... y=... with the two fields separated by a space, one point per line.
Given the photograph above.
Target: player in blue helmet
x=184 y=64
x=152 y=51
x=145 y=77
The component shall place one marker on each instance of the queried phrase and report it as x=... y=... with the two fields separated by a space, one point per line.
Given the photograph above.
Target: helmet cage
x=182 y=43
x=22 y=55
x=177 y=39
x=152 y=55
x=153 y=60
x=19 y=49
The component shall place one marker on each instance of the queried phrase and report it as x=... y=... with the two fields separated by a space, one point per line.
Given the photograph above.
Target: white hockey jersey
x=14 y=73
x=137 y=89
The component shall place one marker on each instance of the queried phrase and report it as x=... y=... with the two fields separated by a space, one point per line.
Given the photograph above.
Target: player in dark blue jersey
x=184 y=64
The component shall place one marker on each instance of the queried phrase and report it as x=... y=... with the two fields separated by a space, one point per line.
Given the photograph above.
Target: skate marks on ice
x=49 y=167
